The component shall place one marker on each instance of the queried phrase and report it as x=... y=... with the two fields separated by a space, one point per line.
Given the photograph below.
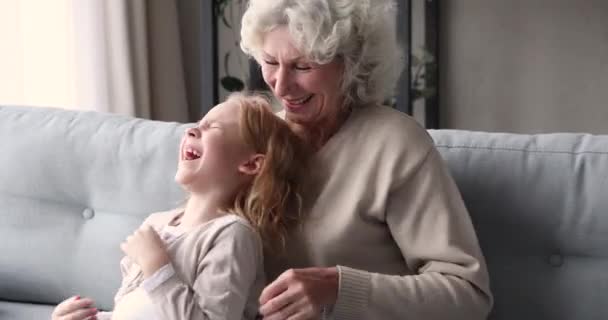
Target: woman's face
x=211 y=152
x=309 y=92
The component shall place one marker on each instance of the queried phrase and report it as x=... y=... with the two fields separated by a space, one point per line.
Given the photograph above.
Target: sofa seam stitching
x=522 y=150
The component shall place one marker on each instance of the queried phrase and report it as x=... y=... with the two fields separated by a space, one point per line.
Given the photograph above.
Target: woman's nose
x=282 y=82
x=193 y=132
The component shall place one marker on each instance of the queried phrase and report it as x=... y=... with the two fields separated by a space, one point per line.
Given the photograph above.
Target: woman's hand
x=300 y=294
x=146 y=248
x=74 y=308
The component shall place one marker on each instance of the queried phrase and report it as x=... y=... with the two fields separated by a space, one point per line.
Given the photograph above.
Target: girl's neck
x=202 y=208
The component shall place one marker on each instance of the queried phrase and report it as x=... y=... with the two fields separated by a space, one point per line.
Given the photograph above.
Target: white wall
x=524 y=65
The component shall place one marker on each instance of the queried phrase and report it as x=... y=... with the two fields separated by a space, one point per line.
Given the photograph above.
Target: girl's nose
x=193 y=132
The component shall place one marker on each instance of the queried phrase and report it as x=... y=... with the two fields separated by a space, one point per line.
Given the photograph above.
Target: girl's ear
x=253 y=165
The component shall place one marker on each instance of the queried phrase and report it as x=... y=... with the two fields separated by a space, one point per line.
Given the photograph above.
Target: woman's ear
x=253 y=165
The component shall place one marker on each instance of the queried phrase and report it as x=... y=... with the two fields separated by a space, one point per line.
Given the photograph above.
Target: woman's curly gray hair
x=360 y=32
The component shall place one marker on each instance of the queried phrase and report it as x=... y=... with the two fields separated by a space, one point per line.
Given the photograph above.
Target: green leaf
x=226 y=62
x=220 y=12
x=428 y=58
x=232 y=84
x=220 y=5
x=225 y=20
x=416 y=94
x=416 y=61
x=430 y=67
x=428 y=92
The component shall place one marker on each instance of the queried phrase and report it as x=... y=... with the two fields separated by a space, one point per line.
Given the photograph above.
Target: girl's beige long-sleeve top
x=216 y=272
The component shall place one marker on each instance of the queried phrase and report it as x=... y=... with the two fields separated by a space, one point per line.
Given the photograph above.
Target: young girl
x=241 y=166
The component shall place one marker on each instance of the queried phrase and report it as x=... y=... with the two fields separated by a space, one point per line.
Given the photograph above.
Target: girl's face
x=309 y=92
x=213 y=152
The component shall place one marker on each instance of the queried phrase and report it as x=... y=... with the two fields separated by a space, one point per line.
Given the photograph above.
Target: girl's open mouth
x=190 y=154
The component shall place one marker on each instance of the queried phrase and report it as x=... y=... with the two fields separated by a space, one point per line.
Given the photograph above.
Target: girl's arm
x=223 y=284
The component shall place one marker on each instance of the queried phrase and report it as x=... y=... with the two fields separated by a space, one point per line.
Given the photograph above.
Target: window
x=36 y=53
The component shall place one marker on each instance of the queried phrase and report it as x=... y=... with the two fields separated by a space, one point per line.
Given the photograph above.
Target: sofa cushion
x=73 y=185
x=24 y=311
x=540 y=207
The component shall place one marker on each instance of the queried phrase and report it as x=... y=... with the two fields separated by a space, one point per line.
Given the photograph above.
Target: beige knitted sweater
x=387 y=213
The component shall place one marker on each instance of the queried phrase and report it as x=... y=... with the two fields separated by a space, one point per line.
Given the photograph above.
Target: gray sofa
x=73 y=185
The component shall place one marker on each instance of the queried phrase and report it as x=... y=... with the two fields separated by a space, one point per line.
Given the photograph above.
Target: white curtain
x=128 y=58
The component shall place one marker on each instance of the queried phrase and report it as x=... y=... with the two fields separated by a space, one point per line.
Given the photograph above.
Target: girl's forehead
x=227 y=111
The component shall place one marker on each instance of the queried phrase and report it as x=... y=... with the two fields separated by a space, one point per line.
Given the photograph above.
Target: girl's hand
x=74 y=308
x=300 y=294
x=146 y=248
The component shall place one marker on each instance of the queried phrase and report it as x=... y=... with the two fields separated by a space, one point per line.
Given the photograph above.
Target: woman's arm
x=224 y=282
x=430 y=224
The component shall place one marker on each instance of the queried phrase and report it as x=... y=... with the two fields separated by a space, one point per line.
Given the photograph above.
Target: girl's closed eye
x=205 y=125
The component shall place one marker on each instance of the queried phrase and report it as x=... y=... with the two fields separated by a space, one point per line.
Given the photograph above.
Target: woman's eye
x=302 y=67
x=272 y=63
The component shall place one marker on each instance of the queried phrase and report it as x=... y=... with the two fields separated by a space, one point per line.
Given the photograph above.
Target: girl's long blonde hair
x=272 y=203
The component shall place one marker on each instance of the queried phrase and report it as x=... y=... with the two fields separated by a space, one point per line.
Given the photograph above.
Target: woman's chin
x=297 y=118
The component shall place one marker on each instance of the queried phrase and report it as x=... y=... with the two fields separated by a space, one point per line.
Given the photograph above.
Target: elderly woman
x=386 y=234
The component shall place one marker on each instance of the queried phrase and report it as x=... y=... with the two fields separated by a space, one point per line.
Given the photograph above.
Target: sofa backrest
x=539 y=204
x=73 y=185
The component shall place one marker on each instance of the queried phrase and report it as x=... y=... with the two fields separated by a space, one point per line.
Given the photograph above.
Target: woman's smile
x=293 y=105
